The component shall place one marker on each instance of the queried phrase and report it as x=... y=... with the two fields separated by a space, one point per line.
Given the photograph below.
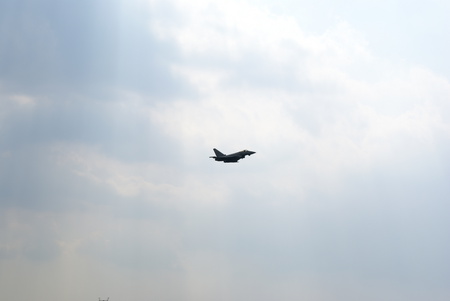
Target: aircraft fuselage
x=231 y=158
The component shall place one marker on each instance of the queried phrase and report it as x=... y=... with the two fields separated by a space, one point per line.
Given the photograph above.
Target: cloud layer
x=109 y=111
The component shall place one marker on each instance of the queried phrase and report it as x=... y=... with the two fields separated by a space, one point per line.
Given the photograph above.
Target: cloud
x=345 y=119
x=106 y=177
x=56 y=50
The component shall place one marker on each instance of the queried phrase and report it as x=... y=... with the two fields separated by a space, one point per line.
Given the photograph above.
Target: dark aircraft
x=232 y=158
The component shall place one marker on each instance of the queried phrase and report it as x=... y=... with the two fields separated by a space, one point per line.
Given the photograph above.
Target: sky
x=109 y=111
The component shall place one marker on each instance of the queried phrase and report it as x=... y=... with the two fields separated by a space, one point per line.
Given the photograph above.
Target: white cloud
x=335 y=116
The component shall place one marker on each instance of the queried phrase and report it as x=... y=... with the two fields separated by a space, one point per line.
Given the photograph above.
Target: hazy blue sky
x=109 y=110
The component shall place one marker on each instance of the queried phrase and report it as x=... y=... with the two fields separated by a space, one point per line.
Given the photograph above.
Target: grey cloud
x=28 y=237
x=120 y=129
x=41 y=248
x=31 y=178
x=61 y=47
x=374 y=233
x=132 y=251
x=383 y=227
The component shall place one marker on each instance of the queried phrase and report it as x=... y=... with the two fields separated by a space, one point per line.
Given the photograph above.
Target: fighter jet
x=232 y=158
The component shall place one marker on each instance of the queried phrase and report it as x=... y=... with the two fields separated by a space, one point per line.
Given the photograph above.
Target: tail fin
x=218 y=153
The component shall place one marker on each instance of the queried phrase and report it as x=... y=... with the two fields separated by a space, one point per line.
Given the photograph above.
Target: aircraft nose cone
x=251 y=153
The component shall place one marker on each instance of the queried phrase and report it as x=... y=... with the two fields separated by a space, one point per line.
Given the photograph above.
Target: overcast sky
x=109 y=111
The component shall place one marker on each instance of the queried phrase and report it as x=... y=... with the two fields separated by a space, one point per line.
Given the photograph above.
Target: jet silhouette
x=232 y=158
